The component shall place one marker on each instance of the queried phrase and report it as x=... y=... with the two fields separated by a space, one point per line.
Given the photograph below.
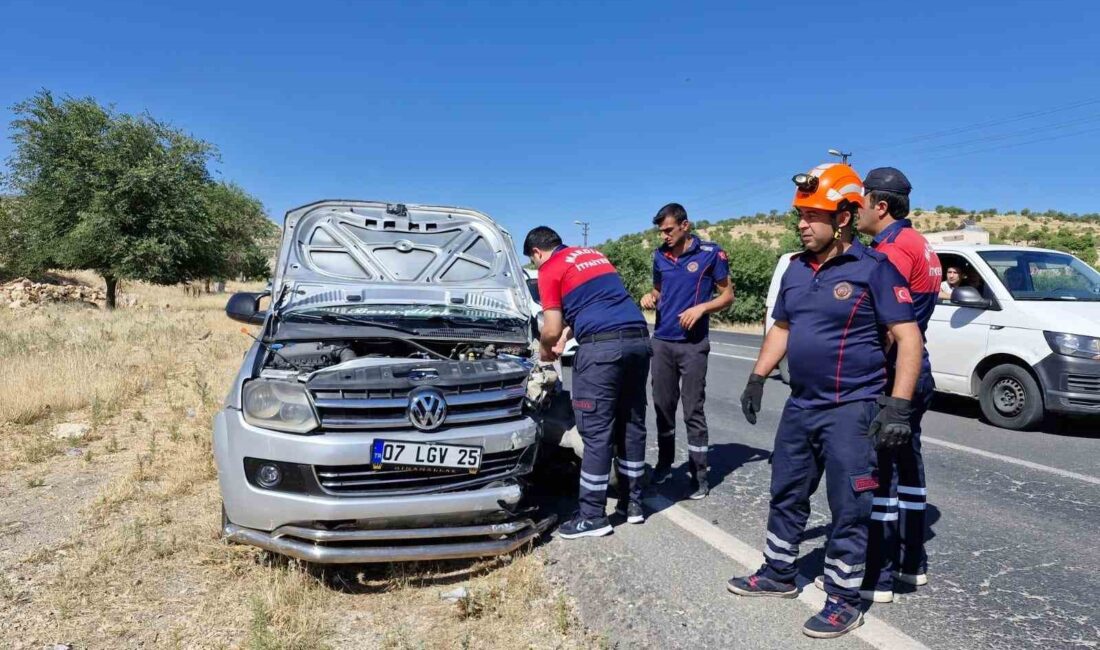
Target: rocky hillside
x=755 y=242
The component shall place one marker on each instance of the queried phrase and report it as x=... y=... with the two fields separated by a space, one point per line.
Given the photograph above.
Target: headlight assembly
x=1073 y=345
x=278 y=405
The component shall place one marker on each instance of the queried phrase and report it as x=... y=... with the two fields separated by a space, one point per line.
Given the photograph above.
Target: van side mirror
x=245 y=307
x=969 y=297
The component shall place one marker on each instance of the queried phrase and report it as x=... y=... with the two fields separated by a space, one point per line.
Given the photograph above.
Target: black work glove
x=750 y=399
x=890 y=428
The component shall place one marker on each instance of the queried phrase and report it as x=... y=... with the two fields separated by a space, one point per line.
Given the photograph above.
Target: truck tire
x=1010 y=398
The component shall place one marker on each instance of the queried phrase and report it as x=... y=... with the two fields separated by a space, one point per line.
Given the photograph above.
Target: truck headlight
x=278 y=405
x=1073 y=345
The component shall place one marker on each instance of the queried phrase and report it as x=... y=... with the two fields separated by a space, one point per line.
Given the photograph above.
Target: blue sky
x=551 y=112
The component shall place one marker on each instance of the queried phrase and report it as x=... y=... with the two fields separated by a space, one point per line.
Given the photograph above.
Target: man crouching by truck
x=834 y=300
x=580 y=288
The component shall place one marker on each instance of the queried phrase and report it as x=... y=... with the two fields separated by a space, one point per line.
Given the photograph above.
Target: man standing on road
x=833 y=302
x=686 y=271
x=902 y=491
x=580 y=288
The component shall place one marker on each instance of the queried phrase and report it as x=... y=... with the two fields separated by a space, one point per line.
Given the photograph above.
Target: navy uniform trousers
x=808 y=442
x=897 y=522
x=609 y=401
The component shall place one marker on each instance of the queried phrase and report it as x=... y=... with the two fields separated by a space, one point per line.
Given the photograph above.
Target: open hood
x=340 y=252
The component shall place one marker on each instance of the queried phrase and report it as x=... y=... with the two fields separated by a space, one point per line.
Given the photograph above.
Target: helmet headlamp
x=806 y=183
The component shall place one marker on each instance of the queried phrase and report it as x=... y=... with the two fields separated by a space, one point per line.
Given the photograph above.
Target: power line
x=983 y=125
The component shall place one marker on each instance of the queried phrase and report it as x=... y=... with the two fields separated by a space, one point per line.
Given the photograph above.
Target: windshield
x=411 y=314
x=1037 y=275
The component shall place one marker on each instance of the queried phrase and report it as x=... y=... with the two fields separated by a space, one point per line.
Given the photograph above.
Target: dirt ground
x=109 y=509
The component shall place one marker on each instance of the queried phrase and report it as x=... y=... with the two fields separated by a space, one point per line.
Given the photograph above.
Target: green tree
x=128 y=197
x=246 y=239
x=751 y=268
x=13 y=259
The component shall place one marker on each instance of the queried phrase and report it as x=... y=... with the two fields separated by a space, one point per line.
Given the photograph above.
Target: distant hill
x=1018 y=228
x=755 y=242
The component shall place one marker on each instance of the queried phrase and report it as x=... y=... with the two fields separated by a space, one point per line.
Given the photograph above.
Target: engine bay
x=309 y=357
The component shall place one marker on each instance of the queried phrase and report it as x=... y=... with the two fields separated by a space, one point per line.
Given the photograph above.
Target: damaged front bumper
x=391 y=545
x=312 y=519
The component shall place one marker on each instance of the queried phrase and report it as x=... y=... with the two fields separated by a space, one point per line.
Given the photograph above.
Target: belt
x=633 y=333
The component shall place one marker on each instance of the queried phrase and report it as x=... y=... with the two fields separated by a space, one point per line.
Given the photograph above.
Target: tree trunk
x=112 y=286
x=206 y=285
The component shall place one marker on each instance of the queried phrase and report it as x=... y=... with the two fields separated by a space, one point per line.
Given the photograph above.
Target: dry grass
x=112 y=541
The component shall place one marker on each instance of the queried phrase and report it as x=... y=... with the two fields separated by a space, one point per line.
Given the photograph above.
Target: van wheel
x=1010 y=398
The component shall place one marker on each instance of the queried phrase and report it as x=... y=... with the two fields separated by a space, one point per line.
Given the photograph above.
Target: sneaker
x=702 y=489
x=758 y=585
x=879 y=596
x=835 y=619
x=661 y=473
x=915 y=579
x=579 y=526
x=632 y=510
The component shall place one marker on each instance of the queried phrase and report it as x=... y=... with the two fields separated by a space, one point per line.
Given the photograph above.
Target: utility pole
x=840 y=154
x=584 y=229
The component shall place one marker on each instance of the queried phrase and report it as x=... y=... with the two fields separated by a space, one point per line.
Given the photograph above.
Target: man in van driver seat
x=834 y=300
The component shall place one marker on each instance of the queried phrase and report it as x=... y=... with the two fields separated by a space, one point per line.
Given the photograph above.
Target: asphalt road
x=1013 y=551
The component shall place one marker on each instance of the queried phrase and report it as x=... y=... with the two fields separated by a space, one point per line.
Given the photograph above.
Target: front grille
x=364 y=479
x=1083 y=383
x=386 y=408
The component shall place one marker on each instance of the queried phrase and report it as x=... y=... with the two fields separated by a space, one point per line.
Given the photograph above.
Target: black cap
x=887 y=179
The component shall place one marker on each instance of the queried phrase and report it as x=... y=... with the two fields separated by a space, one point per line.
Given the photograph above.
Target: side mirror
x=245 y=307
x=969 y=297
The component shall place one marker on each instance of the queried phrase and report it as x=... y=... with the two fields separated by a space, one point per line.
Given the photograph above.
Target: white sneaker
x=915 y=579
x=873 y=596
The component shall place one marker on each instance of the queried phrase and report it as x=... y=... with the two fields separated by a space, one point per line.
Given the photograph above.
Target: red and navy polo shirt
x=583 y=283
x=836 y=313
x=914 y=258
x=685 y=282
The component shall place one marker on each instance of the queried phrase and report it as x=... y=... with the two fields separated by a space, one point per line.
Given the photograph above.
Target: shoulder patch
x=902 y=295
x=722 y=255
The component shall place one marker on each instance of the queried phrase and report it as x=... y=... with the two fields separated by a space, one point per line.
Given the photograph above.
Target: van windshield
x=1041 y=275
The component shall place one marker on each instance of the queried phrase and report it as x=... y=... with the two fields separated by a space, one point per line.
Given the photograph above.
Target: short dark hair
x=543 y=238
x=896 y=204
x=674 y=210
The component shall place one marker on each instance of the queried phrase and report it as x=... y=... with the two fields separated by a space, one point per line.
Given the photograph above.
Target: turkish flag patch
x=903 y=295
x=722 y=256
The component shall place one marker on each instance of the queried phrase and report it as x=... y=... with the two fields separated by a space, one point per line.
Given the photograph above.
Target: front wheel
x=1010 y=398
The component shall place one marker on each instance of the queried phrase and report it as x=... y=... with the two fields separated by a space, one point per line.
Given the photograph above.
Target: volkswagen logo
x=427 y=409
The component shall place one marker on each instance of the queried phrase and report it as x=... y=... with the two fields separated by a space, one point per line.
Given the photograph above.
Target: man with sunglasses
x=579 y=287
x=686 y=271
x=835 y=300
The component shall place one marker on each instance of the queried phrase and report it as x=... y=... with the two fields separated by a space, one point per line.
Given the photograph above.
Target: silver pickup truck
x=382 y=414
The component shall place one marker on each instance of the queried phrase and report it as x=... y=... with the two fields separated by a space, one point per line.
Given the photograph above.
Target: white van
x=1023 y=336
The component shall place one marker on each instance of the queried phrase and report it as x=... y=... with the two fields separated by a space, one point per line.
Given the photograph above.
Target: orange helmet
x=827 y=186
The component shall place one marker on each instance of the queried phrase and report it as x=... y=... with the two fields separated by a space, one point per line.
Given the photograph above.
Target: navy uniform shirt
x=836 y=315
x=584 y=284
x=685 y=282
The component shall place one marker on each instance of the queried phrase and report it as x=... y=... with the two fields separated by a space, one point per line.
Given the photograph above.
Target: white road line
x=978 y=452
x=735 y=345
x=874 y=631
x=1009 y=459
x=732 y=356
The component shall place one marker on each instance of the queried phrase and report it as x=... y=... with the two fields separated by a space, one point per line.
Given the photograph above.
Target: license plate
x=388 y=454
